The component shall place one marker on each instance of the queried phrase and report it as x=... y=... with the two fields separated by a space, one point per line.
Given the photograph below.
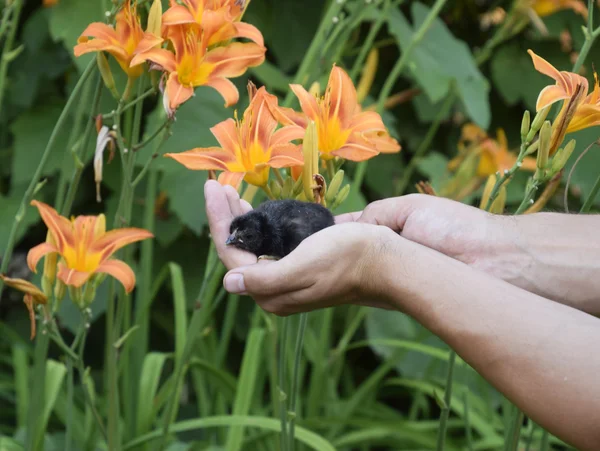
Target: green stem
x=69 y=425
x=441 y=440
x=528 y=198
x=591 y=198
x=506 y=176
x=148 y=140
x=296 y=377
x=315 y=47
x=131 y=104
x=424 y=146
x=545 y=446
x=399 y=66
x=468 y=432
x=5 y=58
x=79 y=157
x=282 y=384
x=72 y=144
x=514 y=432
x=368 y=44
x=38 y=172
x=33 y=437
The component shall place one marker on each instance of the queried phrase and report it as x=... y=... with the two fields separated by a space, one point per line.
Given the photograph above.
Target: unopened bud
x=76 y=294
x=533 y=147
x=311 y=160
x=341 y=197
x=90 y=293
x=275 y=188
x=537 y=123
x=368 y=75
x=525 y=124
x=106 y=74
x=50 y=265
x=297 y=188
x=334 y=186
x=155 y=18
x=288 y=186
x=60 y=290
x=544 y=148
x=561 y=157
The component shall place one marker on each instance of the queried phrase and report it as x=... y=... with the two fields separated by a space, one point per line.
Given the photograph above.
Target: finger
x=219 y=219
x=391 y=213
x=233 y=198
x=348 y=217
x=246 y=206
x=268 y=278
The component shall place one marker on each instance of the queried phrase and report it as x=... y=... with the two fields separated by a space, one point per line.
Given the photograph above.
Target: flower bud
x=544 y=148
x=368 y=75
x=155 y=18
x=538 y=120
x=311 y=160
x=89 y=294
x=49 y=275
x=76 y=295
x=60 y=290
x=334 y=186
x=525 y=125
x=275 y=188
x=297 y=188
x=341 y=197
x=288 y=187
x=561 y=157
x=106 y=74
x=499 y=203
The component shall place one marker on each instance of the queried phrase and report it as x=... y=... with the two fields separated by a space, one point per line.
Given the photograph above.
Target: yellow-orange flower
x=194 y=64
x=85 y=247
x=586 y=109
x=248 y=147
x=218 y=18
x=344 y=130
x=548 y=7
x=120 y=42
x=49 y=3
x=32 y=296
x=494 y=155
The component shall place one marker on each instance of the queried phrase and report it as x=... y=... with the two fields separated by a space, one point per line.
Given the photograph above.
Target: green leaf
x=179 y=307
x=441 y=59
x=251 y=363
x=68 y=19
x=20 y=361
x=293 y=27
x=8 y=444
x=31 y=133
x=149 y=381
x=305 y=436
x=185 y=190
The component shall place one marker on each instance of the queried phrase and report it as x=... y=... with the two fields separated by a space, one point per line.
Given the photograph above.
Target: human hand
x=340 y=264
x=462 y=232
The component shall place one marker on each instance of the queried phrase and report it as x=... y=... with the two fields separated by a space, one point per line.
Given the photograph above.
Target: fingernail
x=234 y=283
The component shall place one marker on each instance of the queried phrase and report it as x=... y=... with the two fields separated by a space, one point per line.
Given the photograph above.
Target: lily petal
x=287 y=134
x=226 y=134
x=356 y=152
x=176 y=92
x=72 y=277
x=203 y=159
x=342 y=96
x=160 y=57
x=177 y=15
x=308 y=103
x=59 y=226
x=233 y=60
x=120 y=271
x=245 y=30
x=549 y=95
x=226 y=88
x=544 y=67
x=231 y=178
x=285 y=156
x=115 y=239
x=36 y=253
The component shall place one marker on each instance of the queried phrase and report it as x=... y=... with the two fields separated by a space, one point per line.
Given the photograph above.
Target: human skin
x=542 y=355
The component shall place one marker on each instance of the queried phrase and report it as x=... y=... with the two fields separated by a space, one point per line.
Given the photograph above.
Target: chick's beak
x=232 y=238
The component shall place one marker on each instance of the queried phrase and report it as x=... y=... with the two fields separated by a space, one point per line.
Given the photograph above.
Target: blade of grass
x=311 y=439
x=149 y=380
x=246 y=386
x=20 y=362
x=446 y=404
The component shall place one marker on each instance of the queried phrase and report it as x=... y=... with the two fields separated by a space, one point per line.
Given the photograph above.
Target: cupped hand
x=462 y=232
x=337 y=265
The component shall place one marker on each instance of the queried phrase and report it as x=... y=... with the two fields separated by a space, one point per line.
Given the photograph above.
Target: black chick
x=276 y=227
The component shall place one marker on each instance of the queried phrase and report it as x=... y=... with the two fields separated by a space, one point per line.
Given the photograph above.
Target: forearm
x=554 y=255
x=542 y=355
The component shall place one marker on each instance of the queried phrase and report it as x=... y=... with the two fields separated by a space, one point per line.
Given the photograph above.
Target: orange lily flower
x=494 y=153
x=587 y=110
x=49 y=3
x=85 y=247
x=548 y=7
x=120 y=42
x=33 y=296
x=218 y=19
x=193 y=64
x=248 y=147
x=344 y=130
x=495 y=156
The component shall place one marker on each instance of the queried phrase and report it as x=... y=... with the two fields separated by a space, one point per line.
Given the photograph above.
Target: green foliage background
x=394 y=370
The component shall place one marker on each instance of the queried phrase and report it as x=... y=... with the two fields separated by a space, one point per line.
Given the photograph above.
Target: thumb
x=392 y=213
x=265 y=278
